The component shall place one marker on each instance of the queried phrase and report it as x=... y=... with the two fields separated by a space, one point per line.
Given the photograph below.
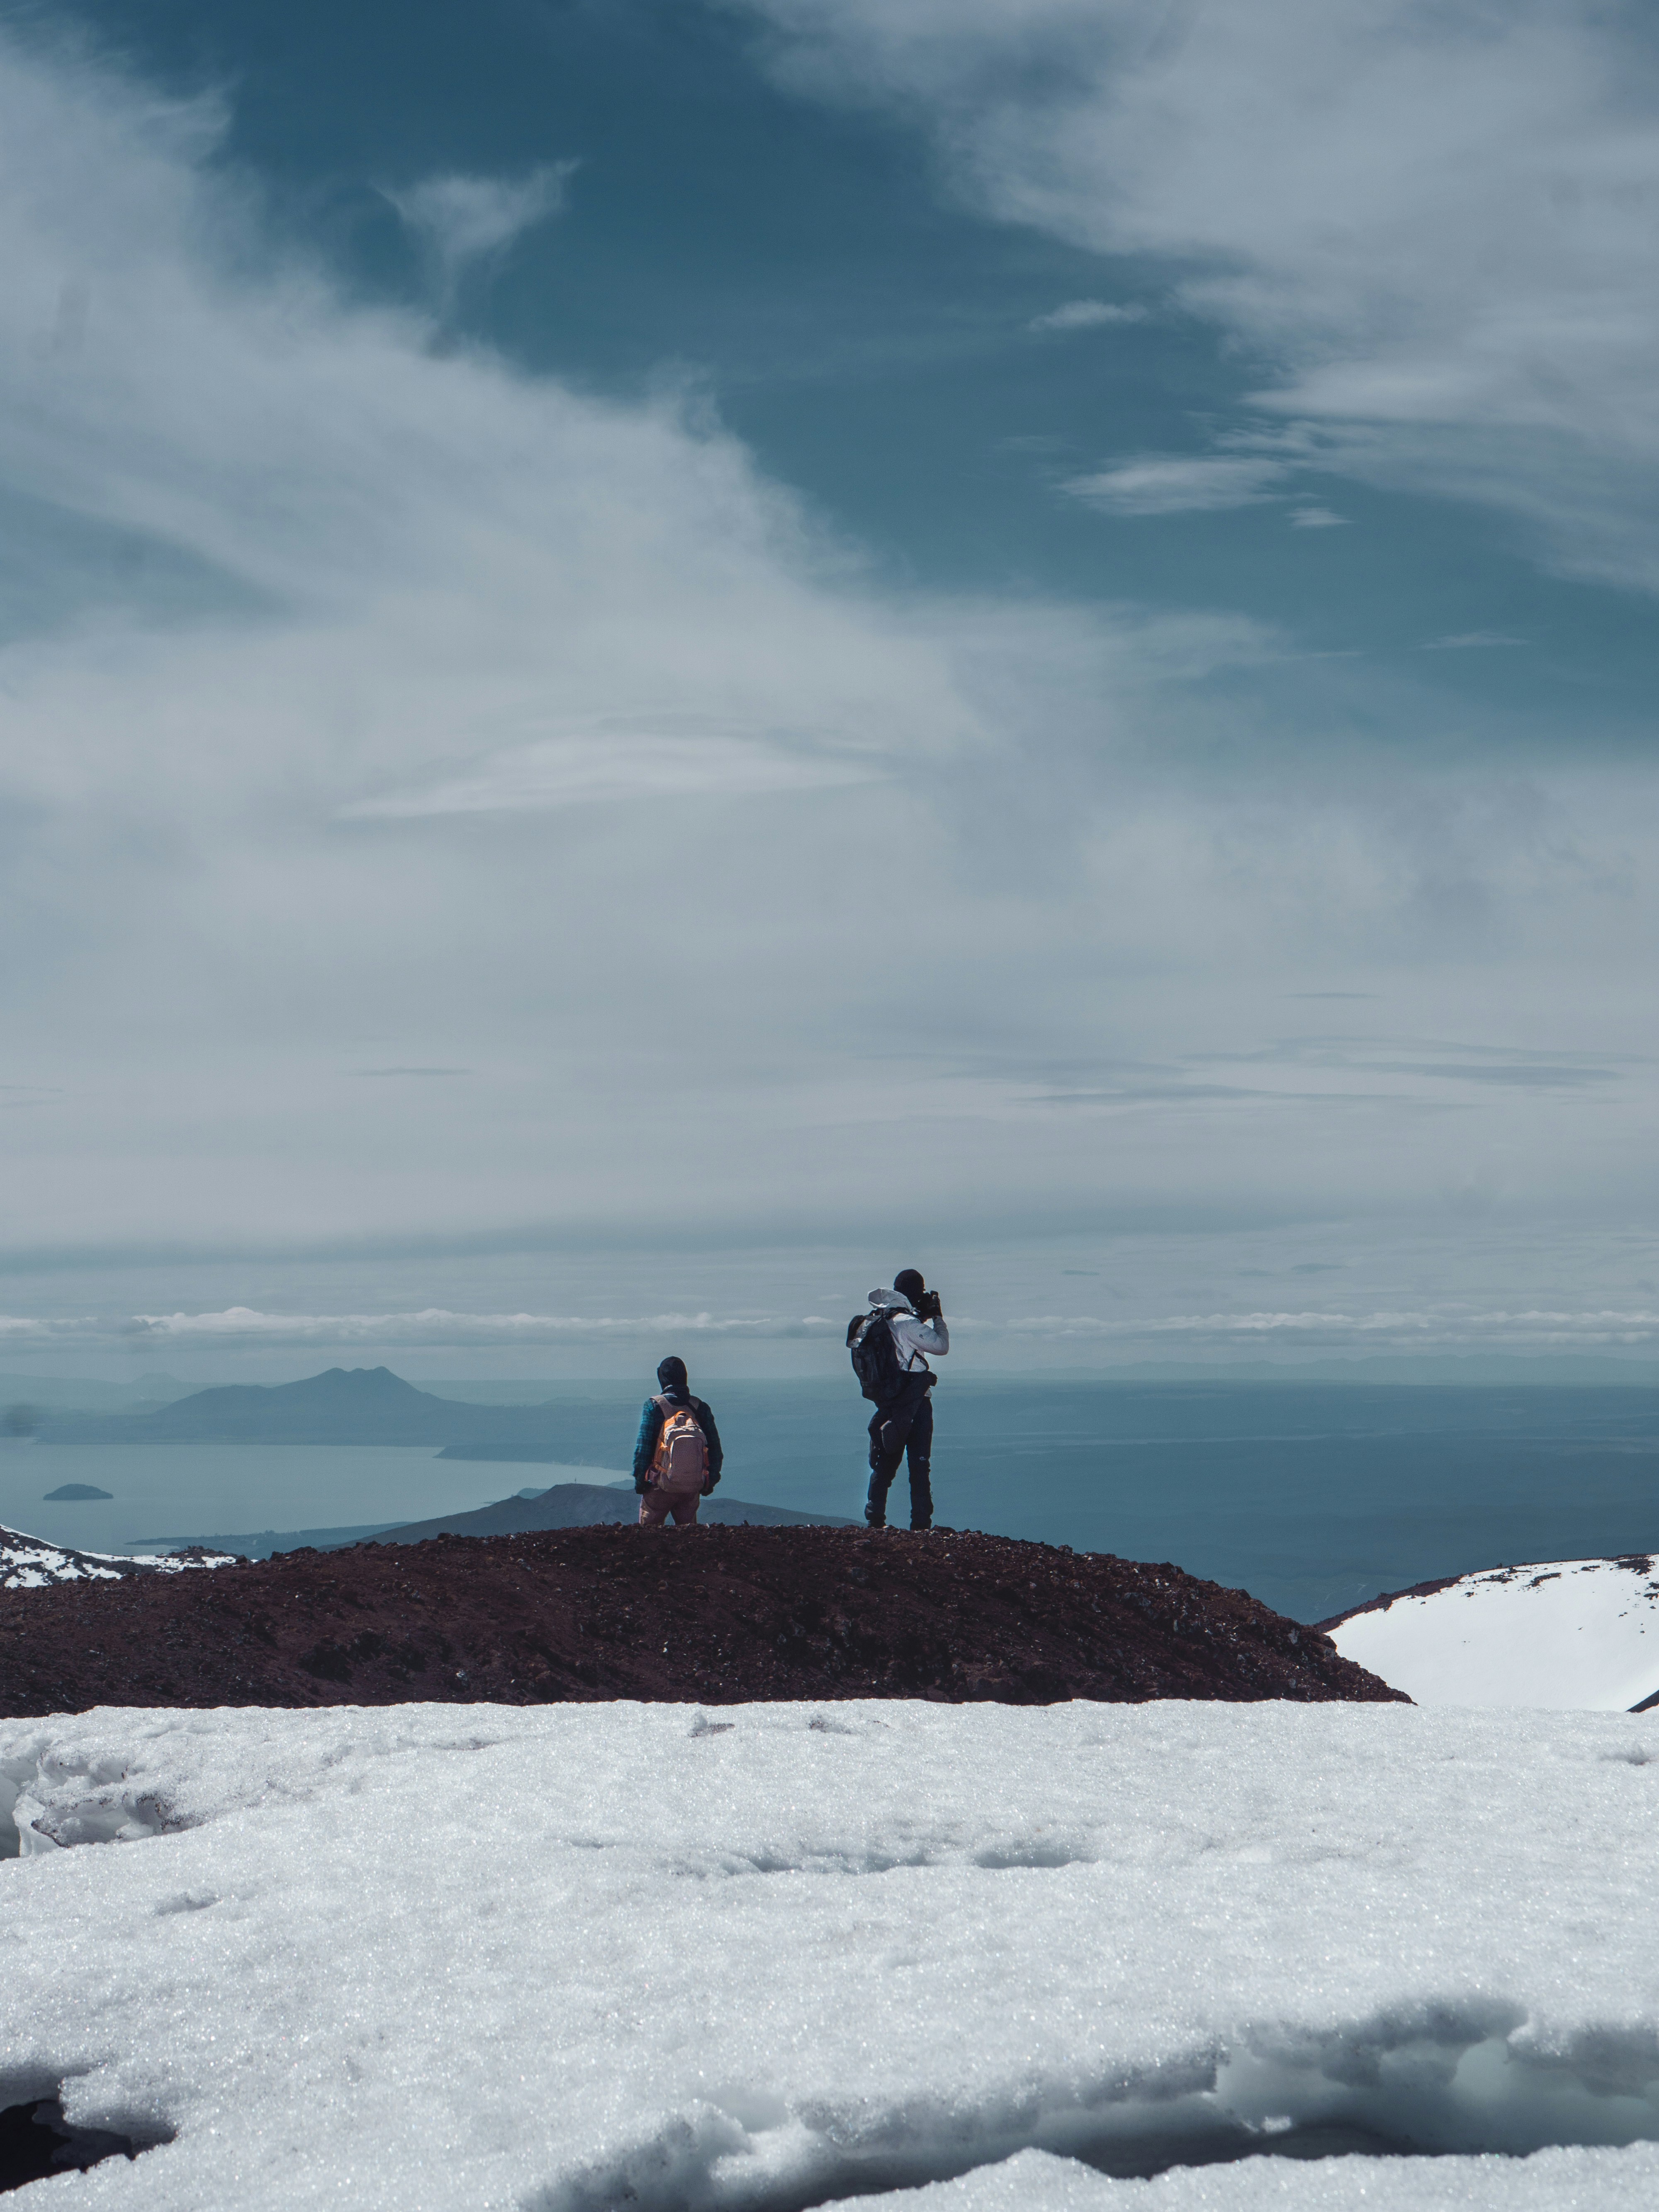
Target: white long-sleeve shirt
x=912 y=1335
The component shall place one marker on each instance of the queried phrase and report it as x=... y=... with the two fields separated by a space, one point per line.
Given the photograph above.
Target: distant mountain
x=346 y=1405
x=373 y=1406
x=582 y=1504
x=1580 y=1633
x=74 y=1393
x=363 y=1406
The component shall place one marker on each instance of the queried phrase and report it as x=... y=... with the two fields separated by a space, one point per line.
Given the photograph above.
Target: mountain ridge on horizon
x=341 y=1405
x=377 y=1406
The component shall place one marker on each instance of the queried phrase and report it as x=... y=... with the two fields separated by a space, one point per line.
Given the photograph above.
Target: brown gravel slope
x=714 y=1614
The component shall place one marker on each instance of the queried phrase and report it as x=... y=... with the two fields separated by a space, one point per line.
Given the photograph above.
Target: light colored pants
x=656 y=1505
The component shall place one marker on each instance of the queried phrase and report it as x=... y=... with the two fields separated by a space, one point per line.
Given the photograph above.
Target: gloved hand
x=641 y=1483
x=929 y=1306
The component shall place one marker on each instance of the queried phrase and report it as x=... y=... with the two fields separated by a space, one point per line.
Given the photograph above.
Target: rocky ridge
x=714 y=1615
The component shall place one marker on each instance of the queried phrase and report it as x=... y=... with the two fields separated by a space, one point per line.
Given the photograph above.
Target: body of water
x=1314 y=1497
x=166 y=1492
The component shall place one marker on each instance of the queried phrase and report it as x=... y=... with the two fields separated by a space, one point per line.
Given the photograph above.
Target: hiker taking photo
x=677 y=1455
x=890 y=1344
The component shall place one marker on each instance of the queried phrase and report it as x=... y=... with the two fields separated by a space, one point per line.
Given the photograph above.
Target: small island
x=67 y=1491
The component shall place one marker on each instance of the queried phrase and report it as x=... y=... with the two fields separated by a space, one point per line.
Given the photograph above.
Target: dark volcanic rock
x=716 y=1615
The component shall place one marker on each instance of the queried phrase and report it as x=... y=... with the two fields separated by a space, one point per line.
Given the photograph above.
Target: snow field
x=30 y=1563
x=774 y=1956
x=1579 y=1633
x=26 y=1563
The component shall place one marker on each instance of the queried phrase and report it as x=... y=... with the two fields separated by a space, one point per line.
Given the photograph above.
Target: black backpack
x=875 y=1357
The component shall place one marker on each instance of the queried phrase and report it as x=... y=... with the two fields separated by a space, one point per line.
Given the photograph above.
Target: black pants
x=907 y=1426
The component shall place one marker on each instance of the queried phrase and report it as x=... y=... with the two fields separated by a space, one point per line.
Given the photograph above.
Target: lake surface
x=1313 y=1497
x=180 y=1492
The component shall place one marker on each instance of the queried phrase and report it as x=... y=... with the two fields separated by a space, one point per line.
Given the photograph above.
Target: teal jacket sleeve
x=645 y=1444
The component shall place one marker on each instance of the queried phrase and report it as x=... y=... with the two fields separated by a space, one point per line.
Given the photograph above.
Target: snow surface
x=773 y=1956
x=1568 y=1633
x=30 y=1563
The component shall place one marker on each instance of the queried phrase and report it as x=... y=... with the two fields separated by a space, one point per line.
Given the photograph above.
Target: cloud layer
x=1451 y=1328
x=388 y=710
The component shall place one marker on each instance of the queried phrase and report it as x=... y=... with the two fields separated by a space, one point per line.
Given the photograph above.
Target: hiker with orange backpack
x=887 y=1345
x=677 y=1455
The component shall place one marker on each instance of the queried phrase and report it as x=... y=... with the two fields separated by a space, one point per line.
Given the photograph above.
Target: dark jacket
x=645 y=1447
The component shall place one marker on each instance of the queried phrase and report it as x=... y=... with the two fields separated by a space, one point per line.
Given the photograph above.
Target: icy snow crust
x=30 y=1563
x=1568 y=1633
x=564 y=1959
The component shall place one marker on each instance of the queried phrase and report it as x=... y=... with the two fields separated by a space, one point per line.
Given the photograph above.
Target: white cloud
x=1437 y=1330
x=1317 y=518
x=462 y=222
x=613 y=762
x=1438 y=221
x=239 y=1327
x=241 y=1330
x=1157 y=483
x=1472 y=641
x=1088 y=315
x=29 y=1328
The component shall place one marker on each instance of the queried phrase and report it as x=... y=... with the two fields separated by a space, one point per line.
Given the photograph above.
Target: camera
x=929 y=1307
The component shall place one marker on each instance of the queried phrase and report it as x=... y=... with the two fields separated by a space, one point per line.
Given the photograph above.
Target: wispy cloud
x=1317 y=518
x=1472 y=641
x=1088 y=315
x=1447 y=1328
x=242 y=1326
x=1435 y=220
x=1167 y=483
x=615 y=763
x=245 y=1330
x=466 y=222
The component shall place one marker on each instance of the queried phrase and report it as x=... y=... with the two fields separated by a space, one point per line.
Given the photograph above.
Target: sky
x=656 y=658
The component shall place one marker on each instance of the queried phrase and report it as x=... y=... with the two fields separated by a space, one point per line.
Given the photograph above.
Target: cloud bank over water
x=1231 y=1337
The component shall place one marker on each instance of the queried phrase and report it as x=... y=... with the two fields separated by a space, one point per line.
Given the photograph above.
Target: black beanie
x=671 y=1373
x=908 y=1284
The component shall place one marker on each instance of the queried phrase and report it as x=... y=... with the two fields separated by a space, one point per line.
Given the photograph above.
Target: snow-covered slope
x=1570 y=1632
x=567 y=1958
x=30 y=1563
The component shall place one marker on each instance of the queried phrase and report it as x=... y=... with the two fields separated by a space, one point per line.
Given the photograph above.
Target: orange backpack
x=681 y=1460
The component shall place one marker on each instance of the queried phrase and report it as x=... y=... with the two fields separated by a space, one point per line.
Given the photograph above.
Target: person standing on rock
x=677 y=1455
x=889 y=1346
